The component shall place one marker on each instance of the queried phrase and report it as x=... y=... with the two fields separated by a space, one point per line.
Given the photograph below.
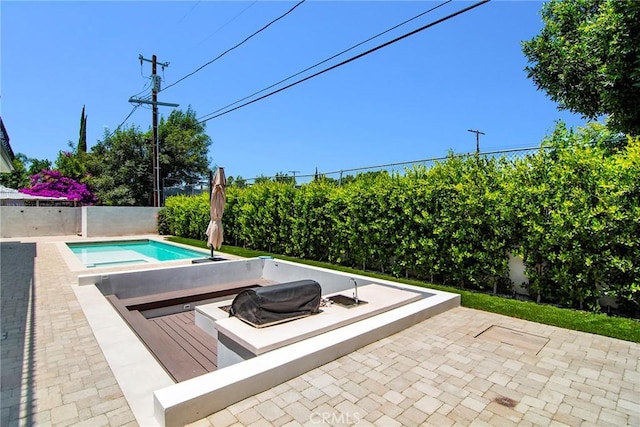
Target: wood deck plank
x=188 y=319
x=176 y=360
x=196 y=348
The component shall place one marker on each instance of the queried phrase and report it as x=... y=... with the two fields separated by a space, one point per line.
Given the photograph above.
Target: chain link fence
x=398 y=168
x=185 y=190
x=340 y=175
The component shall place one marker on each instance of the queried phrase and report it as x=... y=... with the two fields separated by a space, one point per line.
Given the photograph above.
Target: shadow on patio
x=17 y=295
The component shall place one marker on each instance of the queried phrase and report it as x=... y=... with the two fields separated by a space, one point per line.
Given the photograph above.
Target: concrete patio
x=443 y=371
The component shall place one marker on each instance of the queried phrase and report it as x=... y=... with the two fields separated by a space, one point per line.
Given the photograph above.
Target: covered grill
x=270 y=305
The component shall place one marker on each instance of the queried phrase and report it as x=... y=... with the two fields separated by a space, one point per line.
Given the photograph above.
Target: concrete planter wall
x=87 y=221
x=517 y=275
x=520 y=280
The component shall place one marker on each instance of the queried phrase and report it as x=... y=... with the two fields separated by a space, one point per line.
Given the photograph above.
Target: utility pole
x=294 y=176
x=478 y=133
x=155 y=88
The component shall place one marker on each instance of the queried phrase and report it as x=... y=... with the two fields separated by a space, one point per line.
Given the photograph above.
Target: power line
x=330 y=58
x=238 y=45
x=144 y=88
x=397 y=39
x=135 y=107
x=228 y=22
x=186 y=14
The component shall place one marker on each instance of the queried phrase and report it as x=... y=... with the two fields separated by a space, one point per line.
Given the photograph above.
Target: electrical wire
x=236 y=46
x=144 y=98
x=330 y=58
x=188 y=12
x=227 y=23
x=135 y=107
x=144 y=88
x=397 y=39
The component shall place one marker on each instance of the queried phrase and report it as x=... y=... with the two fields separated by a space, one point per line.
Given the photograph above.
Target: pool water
x=129 y=252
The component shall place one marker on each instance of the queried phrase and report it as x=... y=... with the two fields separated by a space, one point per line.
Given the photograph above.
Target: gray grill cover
x=273 y=304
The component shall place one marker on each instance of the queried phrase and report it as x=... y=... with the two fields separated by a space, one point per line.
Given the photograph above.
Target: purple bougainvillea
x=50 y=183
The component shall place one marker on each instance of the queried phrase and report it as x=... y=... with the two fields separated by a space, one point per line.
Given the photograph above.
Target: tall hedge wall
x=572 y=211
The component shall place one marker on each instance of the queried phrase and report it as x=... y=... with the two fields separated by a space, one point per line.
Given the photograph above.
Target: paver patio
x=440 y=372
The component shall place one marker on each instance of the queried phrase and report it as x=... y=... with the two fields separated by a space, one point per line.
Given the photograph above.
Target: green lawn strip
x=600 y=324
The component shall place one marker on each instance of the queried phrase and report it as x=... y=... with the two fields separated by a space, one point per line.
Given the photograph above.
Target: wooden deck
x=182 y=348
x=202 y=347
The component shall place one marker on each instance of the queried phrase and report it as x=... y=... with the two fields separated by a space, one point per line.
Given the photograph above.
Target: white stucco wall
x=88 y=221
x=31 y=221
x=100 y=221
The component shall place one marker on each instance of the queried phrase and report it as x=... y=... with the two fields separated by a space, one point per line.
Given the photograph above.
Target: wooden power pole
x=478 y=133
x=155 y=88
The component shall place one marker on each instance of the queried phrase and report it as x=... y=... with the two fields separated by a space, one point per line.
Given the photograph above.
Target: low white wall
x=31 y=221
x=99 y=221
x=88 y=221
x=331 y=282
x=130 y=284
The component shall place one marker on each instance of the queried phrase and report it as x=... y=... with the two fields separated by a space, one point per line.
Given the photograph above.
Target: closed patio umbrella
x=218 y=199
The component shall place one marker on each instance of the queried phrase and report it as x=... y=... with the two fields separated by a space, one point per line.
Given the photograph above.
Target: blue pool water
x=129 y=252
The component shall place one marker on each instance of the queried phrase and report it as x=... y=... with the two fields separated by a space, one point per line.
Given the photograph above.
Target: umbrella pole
x=210 y=193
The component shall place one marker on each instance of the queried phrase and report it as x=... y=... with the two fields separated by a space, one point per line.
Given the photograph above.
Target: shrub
x=50 y=183
x=572 y=211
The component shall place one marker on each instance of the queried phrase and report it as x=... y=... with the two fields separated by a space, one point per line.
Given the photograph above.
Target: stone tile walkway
x=59 y=376
x=440 y=372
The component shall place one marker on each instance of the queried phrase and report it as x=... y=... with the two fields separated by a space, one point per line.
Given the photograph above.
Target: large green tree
x=72 y=163
x=23 y=168
x=587 y=59
x=18 y=177
x=120 y=164
x=183 y=147
x=120 y=168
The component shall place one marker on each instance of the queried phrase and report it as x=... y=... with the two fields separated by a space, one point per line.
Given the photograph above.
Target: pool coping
x=75 y=265
x=136 y=370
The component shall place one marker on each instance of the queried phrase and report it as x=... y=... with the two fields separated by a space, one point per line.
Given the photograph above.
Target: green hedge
x=186 y=216
x=572 y=211
x=595 y=323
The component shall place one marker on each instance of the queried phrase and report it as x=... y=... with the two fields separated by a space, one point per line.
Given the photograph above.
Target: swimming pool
x=114 y=253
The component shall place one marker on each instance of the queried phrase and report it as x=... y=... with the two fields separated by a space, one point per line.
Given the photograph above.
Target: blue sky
x=415 y=99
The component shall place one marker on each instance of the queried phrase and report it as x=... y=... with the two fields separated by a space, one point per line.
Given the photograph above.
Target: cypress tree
x=82 y=142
